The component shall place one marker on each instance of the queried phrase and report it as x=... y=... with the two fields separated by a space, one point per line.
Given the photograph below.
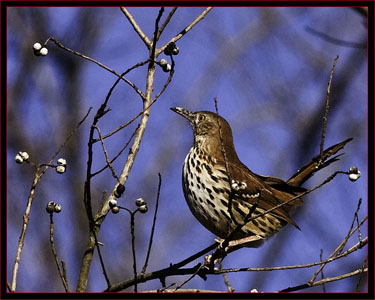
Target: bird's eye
x=201 y=117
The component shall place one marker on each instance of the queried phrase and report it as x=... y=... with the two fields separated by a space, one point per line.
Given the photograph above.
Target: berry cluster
x=40 y=50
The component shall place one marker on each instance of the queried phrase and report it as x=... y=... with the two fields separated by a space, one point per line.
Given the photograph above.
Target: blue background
x=269 y=74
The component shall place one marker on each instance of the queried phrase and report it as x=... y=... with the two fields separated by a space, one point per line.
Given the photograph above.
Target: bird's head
x=205 y=123
x=206 y=128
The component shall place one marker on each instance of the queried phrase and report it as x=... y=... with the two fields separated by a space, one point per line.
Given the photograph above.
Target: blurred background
x=268 y=68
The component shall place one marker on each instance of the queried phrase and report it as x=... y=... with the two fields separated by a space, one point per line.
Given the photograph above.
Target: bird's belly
x=207 y=191
x=206 y=202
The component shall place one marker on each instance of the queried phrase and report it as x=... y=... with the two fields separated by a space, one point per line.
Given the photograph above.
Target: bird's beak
x=184 y=112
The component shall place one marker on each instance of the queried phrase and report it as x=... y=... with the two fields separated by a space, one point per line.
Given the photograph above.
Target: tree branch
x=136 y=27
x=185 y=30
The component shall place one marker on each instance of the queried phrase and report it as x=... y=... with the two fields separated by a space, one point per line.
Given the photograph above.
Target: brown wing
x=269 y=196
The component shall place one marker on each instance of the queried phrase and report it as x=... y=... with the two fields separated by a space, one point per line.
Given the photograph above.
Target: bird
x=226 y=197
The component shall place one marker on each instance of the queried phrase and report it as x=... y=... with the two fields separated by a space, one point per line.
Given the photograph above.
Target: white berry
x=37 y=46
x=57 y=208
x=163 y=62
x=24 y=155
x=44 y=51
x=139 y=202
x=18 y=158
x=50 y=207
x=112 y=203
x=354 y=177
x=143 y=209
x=61 y=162
x=60 y=169
x=115 y=209
x=167 y=68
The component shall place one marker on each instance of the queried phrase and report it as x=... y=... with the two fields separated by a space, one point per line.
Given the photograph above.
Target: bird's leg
x=250 y=241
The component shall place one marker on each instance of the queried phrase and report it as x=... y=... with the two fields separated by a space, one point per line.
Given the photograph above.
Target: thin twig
x=71 y=133
x=171 y=73
x=166 y=21
x=189 y=278
x=54 y=252
x=319 y=282
x=63 y=266
x=117 y=155
x=185 y=30
x=359 y=229
x=136 y=27
x=226 y=280
x=26 y=219
x=132 y=229
x=101 y=258
x=155 y=36
x=342 y=244
x=127 y=123
x=364 y=264
x=106 y=154
x=322 y=274
x=60 y=45
x=355 y=218
x=354 y=248
x=152 y=228
x=325 y=117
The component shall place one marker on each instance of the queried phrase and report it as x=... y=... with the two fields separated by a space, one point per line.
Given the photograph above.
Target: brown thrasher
x=222 y=193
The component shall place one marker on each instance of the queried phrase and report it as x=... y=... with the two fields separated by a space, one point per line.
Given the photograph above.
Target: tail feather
x=317 y=163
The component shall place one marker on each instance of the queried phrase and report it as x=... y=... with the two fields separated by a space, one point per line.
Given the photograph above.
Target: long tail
x=317 y=163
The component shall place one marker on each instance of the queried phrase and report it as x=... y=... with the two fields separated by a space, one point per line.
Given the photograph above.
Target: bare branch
x=343 y=243
x=62 y=273
x=185 y=30
x=166 y=21
x=136 y=27
x=356 y=247
x=322 y=274
x=325 y=117
x=132 y=228
x=226 y=280
x=118 y=154
x=152 y=228
x=323 y=281
x=60 y=45
x=361 y=276
x=106 y=154
x=26 y=219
